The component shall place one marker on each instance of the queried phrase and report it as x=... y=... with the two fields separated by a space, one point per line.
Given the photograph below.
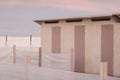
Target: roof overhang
x=39 y=21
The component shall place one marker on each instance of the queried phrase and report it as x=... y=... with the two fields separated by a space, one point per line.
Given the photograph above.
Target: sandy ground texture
x=6 y=55
x=19 y=72
x=56 y=61
x=20 y=41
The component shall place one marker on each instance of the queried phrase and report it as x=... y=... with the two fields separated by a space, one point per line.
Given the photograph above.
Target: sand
x=18 y=72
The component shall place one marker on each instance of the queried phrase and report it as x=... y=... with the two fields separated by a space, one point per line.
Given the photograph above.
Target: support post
x=103 y=70
x=14 y=54
x=28 y=61
x=30 y=40
x=39 y=62
x=6 y=40
x=72 y=59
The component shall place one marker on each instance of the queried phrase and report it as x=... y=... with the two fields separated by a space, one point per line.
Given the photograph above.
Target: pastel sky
x=16 y=16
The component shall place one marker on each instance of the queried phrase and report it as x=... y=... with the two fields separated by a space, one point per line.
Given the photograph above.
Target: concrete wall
x=67 y=38
x=46 y=39
x=116 y=49
x=92 y=42
x=92 y=48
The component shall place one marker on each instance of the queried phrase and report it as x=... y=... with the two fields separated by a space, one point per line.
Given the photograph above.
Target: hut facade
x=94 y=39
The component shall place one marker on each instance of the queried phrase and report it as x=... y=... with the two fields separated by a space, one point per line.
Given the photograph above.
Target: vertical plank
x=80 y=49
x=40 y=55
x=116 y=59
x=30 y=40
x=72 y=59
x=92 y=48
x=56 y=39
x=107 y=46
x=6 y=40
x=14 y=54
x=103 y=70
x=28 y=60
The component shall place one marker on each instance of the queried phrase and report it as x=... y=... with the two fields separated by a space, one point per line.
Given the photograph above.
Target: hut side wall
x=92 y=42
x=92 y=48
x=46 y=37
x=116 y=50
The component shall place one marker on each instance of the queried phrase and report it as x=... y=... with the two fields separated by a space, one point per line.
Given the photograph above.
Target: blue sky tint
x=16 y=16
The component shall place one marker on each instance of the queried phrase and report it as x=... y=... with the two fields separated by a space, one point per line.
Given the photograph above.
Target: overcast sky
x=16 y=16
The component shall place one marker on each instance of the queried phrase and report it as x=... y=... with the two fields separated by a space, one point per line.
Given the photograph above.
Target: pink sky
x=16 y=16
x=84 y=5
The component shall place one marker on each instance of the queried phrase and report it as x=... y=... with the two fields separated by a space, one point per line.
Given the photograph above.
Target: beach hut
x=94 y=39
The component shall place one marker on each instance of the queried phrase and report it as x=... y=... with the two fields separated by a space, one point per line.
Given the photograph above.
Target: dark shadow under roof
x=73 y=18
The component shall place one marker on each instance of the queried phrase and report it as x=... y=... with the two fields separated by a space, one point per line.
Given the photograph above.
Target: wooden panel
x=92 y=48
x=107 y=46
x=116 y=59
x=56 y=31
x=80 y=49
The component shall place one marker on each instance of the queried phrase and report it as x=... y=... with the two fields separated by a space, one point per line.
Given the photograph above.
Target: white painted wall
x=116 y=49
x=92 y=42
x=92 y=48
x=46 y=39
x=67 y=38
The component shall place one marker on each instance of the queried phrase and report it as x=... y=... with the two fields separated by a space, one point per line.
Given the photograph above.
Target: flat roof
x=78 y=17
